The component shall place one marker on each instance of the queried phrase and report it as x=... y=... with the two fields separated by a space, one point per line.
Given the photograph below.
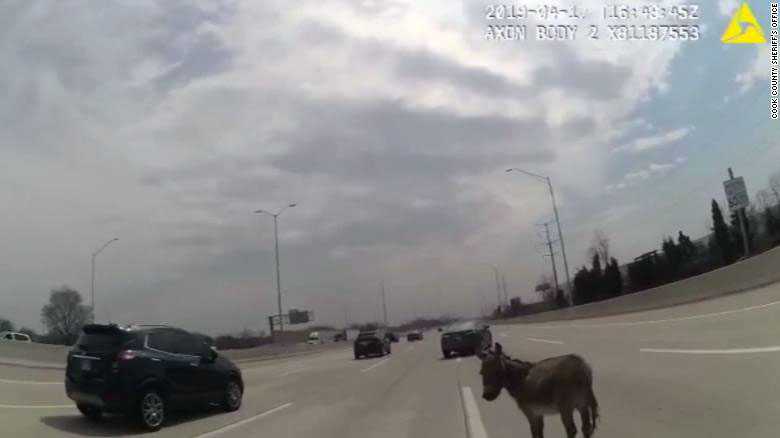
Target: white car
x=314 y=338
x=12 y=336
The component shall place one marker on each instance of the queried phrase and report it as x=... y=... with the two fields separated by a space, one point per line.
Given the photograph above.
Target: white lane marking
x=661 y=321
x=503 y=335
x=473 y=419
x=37 y=406
x=238 y=424
x=546 y=341
x=374 y=365
x=293 y=371
x=410 y=348
x=722 y=351
x=29 y=382
x=457 y=360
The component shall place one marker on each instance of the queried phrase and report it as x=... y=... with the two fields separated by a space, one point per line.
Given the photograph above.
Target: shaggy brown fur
x=557 y=385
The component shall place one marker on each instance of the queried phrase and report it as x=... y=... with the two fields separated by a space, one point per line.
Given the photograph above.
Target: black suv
x=465 y=338
x=147 y=371
x=372 y=343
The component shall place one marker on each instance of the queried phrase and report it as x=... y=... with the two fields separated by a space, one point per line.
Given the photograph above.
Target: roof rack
x=141 y=324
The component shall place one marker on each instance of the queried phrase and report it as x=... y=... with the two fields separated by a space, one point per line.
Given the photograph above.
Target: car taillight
x=125 y=355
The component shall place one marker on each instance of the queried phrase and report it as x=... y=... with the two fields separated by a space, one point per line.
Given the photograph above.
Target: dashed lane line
x=37 y=406
x=29 y=382
x=546 y=341
x=381 y=362
x=238 y=424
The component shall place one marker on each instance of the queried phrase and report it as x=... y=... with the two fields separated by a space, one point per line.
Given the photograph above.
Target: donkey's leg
x=536 y=422
x=567 y=416
x=537 y=426
x=587 y=426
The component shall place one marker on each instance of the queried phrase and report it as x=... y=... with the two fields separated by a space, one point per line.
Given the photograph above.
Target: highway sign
x=736 y=193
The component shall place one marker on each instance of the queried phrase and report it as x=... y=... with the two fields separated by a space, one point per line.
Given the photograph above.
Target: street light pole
x=498 y=286
x=92 y=289
x=275 y=216
x=557 y=221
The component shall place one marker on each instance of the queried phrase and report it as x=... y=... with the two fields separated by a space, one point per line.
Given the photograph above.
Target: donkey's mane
x=522 y=363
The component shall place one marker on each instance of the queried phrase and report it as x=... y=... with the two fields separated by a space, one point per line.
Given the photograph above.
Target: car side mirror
x=209 y=355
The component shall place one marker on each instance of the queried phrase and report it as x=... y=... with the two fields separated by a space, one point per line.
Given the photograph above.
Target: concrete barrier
x=752 y=273
x=32 y=355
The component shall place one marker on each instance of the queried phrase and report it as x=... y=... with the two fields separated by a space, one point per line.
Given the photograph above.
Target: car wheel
x=357 y=356
x=91 y=412
x=151 y=410
x=233 y=396
x=447 y=354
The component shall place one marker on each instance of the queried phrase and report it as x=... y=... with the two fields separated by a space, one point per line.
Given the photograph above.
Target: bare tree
x=774 y=186
x=545 y=289
x=765 y=198
x=6 y=325
x=65 y=315
x=600 y=246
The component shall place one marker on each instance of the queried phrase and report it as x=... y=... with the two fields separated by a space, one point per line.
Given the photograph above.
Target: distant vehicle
x=392 y=336
x=314 y=339
x=414 y=336
x=14 y=337
x=146 y=372
x=465 y=338
x=372 y=343
x=339 y=337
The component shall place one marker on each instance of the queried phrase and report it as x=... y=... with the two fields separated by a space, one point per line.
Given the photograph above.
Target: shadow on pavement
x=114 y=425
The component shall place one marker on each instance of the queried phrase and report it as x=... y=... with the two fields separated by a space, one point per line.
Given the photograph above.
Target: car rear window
x=99 y=341
x=370 y=335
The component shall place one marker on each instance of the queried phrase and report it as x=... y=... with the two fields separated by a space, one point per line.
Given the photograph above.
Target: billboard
x=300 y=316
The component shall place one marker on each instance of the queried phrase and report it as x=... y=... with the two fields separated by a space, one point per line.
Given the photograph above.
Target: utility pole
x=506 y=294
x=498 y=287
x=547 y=180
x=549 y=243
x=384 y=302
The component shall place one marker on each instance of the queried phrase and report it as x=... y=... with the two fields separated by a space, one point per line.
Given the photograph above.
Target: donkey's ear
x=499 y=349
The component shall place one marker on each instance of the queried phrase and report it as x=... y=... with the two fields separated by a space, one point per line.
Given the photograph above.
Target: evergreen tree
x=736 y=232
x=613 y=281
x=687 y=248
x=722 y=247
x=771 y=223
x=674 y=258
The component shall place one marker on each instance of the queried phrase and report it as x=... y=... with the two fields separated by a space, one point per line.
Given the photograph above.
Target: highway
x=708 y=369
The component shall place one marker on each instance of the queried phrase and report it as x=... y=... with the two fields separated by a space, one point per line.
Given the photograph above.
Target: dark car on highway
x=414 y=336
x=465 y=338
x=372 y=343
x=392 y=336
x=148 y=371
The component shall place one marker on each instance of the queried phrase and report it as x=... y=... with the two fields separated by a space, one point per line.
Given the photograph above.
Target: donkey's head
x=493 y=371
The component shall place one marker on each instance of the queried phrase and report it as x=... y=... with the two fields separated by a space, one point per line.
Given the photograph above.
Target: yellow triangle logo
x=743 y=28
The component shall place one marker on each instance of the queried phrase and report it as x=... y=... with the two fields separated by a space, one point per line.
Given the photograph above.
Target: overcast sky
x=390 y=123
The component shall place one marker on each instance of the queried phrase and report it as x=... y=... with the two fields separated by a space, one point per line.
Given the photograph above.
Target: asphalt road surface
x=708 y=369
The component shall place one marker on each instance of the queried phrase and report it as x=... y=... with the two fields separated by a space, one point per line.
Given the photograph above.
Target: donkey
x=557 y=385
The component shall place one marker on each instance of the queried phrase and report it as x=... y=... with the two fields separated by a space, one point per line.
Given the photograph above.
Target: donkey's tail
x=593 y=407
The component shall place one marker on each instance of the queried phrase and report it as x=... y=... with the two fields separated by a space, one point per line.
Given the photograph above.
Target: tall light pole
x=384 y=302
x=498 y=286
x=557 y=220
x=276 y=252
x=92 y=289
